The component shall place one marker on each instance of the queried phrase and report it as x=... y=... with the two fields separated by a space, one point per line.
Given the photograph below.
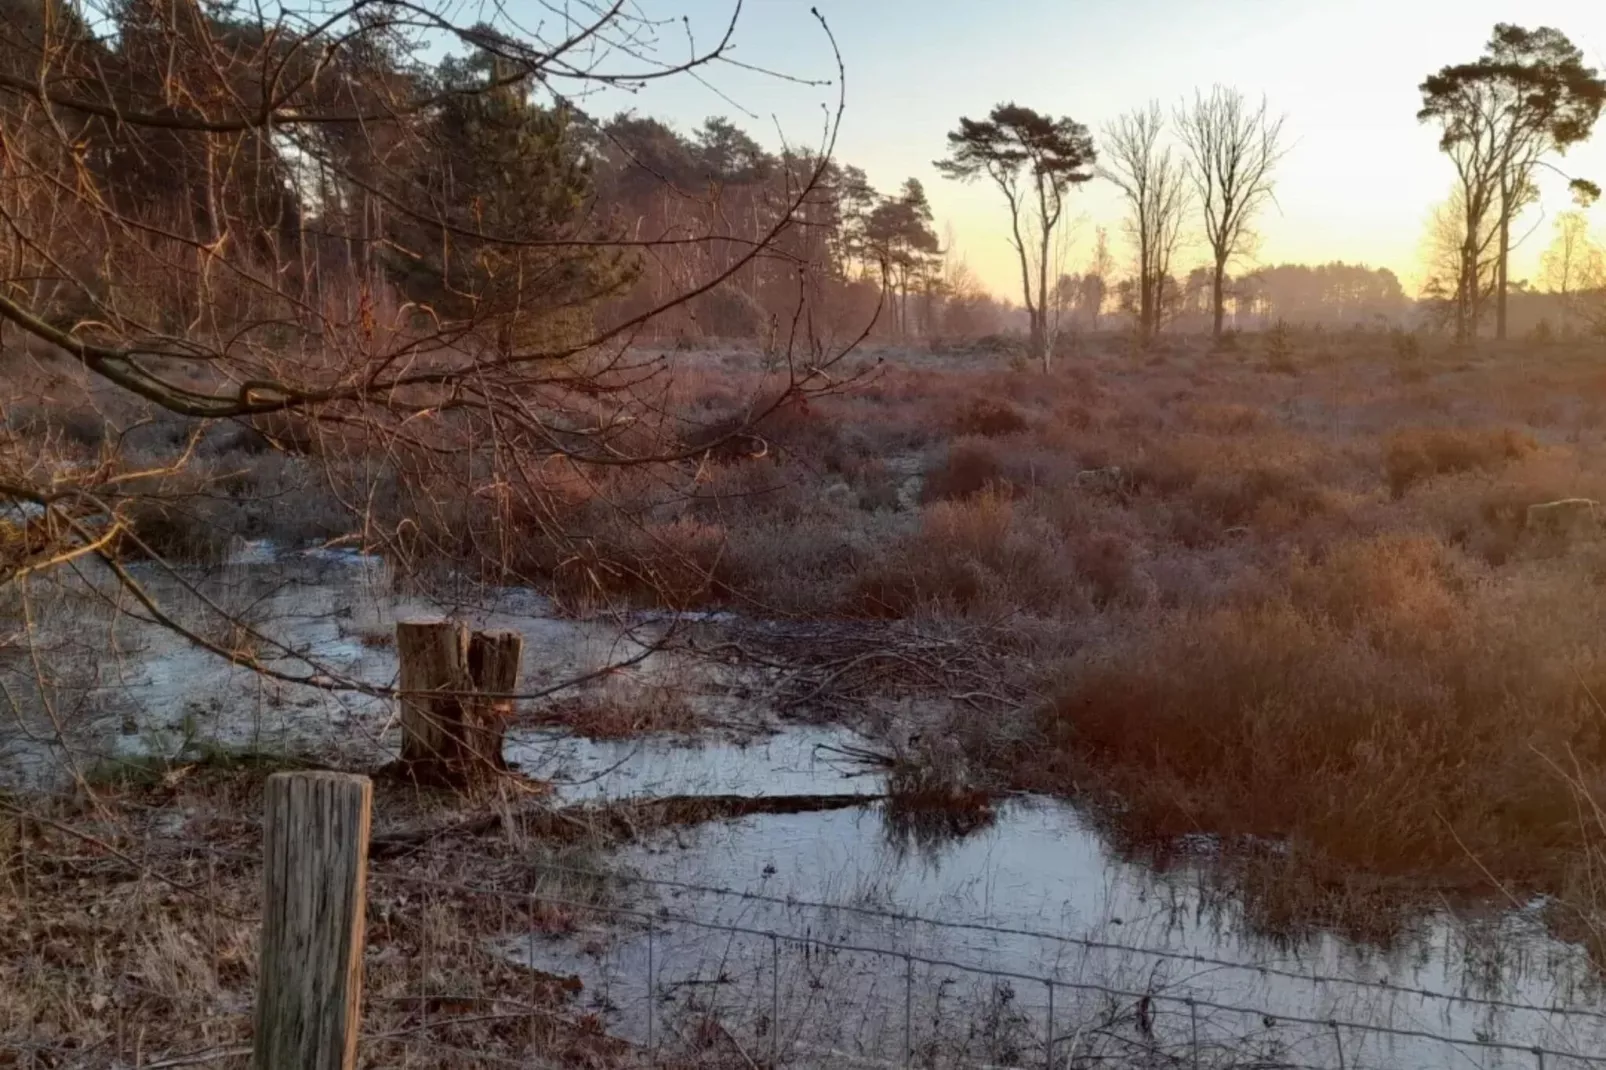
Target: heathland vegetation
x=1246 y=549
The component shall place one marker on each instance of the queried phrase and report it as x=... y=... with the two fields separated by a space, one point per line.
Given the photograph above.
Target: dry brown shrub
x=676 y=563
x=1399 y=590
x=1385 y=709
x=876 y=484
x=1416 y=454
x=976 y=555
x=1108 y=564
x=989 y=418
x=806 y=566
x=971 y=466
x=797 y=427
x=180 y=517
x=746 y=490
x=1269 y=480
x=1224 y=417
x=1074 y=415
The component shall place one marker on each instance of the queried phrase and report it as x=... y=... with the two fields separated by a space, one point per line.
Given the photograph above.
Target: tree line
x=1223 y=167
x=1502 y=117
x=181 y=168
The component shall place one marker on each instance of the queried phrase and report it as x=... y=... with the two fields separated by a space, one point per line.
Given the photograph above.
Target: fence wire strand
x=1082 y=942
x=1151 y=1003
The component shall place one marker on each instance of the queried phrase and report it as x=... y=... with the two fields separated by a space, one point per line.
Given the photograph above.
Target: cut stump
x=453 y=723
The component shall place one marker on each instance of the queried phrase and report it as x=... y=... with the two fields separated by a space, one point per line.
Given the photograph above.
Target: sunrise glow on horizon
x=1359 y=182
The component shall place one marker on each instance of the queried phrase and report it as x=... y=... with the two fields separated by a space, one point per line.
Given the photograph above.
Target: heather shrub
x=1385 y=708
x=678 y=564
x=192 y=529
x=1224 y=417
x=1107 y=564
x=977 y=555
x=970 y=467
x=989 y=418
x=1417 y=454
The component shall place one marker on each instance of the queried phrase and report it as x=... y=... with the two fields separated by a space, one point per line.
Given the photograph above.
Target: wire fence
x=492 y=959
x=816 y=984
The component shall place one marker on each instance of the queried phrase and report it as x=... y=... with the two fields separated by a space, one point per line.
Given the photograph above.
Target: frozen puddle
x=835 y=936
x=795 y=931
x=796 y=762
x=121 y=689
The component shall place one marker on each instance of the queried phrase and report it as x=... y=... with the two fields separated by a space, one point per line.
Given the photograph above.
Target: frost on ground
x=92 y=684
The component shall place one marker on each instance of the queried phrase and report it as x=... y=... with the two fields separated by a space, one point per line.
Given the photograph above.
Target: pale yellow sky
x=1357 y=185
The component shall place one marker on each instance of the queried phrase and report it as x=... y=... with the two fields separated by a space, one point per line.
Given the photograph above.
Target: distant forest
x=525 y=221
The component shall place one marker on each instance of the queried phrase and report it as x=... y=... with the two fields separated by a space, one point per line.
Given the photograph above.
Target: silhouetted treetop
x=1012 y=137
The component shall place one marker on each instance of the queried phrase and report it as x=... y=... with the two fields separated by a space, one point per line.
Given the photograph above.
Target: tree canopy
x=1530 y=95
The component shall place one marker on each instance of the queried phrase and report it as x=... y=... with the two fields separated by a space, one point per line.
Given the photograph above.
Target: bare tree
x=1459 y=254
x=1154 y=182
x=1574 y=269
x=1234 y=149
x=1096 y=279
x=1574 y=259
x=320 y=227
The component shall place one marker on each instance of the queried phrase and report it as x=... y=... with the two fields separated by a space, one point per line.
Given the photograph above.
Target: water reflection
x=1033 y=897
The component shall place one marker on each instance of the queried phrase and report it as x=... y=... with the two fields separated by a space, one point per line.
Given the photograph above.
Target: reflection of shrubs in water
x=929 y=823
x=934 y=794
x=1002 y=1030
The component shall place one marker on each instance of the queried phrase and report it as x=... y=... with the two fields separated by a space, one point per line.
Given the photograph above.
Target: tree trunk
x=1042 y=292
x=1218 y=297
x=1034 y=343
x=1500 y=276
x=493 y=666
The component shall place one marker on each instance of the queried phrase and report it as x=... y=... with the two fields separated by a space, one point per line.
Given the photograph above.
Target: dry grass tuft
x=619 y=710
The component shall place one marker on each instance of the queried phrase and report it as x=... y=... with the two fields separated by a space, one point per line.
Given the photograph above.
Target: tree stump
x=493 y=665
x=451 y=733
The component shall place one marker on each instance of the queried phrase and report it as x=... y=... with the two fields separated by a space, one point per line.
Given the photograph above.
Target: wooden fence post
x=314 y=899
x=449 y=735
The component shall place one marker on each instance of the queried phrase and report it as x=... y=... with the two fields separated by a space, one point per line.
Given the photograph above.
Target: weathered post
x=452 y=729
x=314 y=896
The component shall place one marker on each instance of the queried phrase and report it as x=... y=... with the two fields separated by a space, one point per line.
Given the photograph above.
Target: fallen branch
x=619 y=822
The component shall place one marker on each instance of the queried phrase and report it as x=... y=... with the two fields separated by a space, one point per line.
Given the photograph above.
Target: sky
x=1360 y=178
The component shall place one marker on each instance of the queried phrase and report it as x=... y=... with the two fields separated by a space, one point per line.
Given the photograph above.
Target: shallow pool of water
x=809 y=921
x=121 y=688
x=803 y=760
